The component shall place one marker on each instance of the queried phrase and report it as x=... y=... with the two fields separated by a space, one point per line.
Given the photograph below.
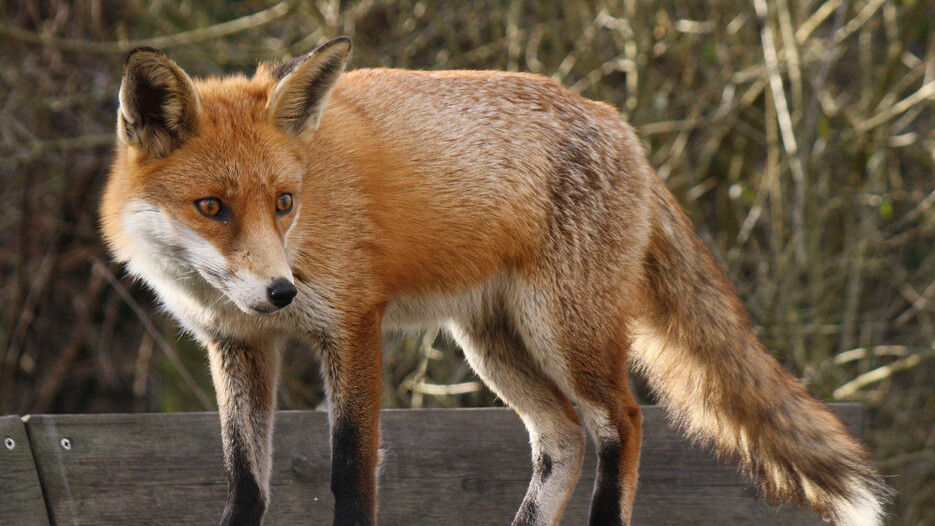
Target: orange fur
x=518 y=214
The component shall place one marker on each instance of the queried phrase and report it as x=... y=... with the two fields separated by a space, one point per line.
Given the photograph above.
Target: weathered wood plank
x=21 y=499
x=467 y=466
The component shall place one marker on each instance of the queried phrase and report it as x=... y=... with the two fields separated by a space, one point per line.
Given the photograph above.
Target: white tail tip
x=864 y=508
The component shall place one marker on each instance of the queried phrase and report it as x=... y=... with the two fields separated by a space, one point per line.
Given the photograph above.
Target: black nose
x=281 y=292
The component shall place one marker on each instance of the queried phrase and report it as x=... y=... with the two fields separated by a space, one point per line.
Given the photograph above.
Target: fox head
x=206 y=183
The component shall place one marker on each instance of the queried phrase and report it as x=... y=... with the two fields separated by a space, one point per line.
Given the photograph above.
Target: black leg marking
x=544 y=467
x=350 y=477
x=245 y=503
x=528 y=514
x=605 y=504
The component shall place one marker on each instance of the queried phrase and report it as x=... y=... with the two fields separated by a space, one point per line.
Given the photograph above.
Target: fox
x=310 y=204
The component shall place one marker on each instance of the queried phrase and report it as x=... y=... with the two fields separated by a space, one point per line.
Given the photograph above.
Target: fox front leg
x=245 y=378
x=352 y=369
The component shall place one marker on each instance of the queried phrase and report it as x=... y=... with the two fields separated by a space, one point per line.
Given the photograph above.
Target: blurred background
x=798 y=134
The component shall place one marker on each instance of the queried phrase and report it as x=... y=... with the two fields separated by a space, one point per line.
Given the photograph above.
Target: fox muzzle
x=281 y=292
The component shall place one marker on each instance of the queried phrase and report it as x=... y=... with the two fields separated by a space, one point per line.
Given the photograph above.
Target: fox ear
x=158 y=103
x=305 y=83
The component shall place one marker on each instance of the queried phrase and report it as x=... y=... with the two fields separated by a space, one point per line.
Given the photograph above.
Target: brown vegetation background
x=797 y=133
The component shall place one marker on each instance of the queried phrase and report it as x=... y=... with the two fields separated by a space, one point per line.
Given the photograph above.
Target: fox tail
x=696 y=347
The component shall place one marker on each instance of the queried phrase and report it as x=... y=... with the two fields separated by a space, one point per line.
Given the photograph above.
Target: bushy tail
x=697 y=348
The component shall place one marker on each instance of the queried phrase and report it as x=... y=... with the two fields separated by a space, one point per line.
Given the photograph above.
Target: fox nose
x=281 y=292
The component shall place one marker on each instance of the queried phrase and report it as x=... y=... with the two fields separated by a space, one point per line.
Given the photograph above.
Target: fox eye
x=209 y=206
x=284 y=203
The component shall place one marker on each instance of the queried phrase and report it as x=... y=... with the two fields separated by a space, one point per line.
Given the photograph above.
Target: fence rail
x=453 y=467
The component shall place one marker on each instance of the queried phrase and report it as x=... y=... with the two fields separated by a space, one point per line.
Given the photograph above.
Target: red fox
x=305 y=203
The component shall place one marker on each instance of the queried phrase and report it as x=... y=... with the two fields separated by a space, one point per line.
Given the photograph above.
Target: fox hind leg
x=498 y=355
x=594 y=374
x=597 y=380
x=583 y=346
x=584 y=349
x=615 y=424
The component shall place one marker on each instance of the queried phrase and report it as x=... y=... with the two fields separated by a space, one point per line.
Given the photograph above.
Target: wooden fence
x=442 y=467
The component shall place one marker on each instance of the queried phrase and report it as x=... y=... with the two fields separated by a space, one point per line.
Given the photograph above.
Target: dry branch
x=164 y=42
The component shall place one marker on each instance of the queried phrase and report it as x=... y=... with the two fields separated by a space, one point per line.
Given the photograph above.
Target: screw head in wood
x=66 y=444
x=9 y=443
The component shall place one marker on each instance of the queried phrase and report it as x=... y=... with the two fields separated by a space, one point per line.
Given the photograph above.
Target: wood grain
x=453 y=467
x=21 y=501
